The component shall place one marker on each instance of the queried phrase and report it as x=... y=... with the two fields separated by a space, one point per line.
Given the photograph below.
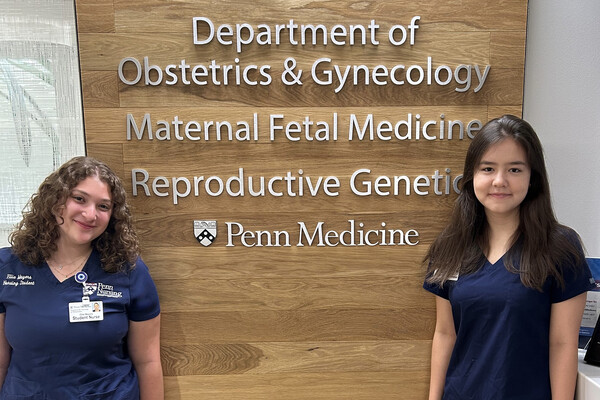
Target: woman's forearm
x=441 y=350
x=150 y=377
x=563 y=371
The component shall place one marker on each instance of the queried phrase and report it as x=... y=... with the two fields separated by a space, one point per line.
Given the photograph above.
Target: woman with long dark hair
x=509 y=280
x=79 y=312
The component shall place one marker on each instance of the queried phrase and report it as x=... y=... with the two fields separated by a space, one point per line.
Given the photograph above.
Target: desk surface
x=588 y=380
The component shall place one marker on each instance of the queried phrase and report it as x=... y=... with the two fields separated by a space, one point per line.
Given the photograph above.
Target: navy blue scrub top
x=53 y=358
x=502 y=332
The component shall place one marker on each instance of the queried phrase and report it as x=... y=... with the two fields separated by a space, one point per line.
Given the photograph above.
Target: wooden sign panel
x=288 y=164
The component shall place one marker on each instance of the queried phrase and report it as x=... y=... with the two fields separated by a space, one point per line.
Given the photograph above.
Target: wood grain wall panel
x=293 y=322
x=493 y=93
x=507 y=49
x=398 y=162
x=110 y=153
x=388 y=156
x=469 y=15
x=97 y=16
x=100 y=89
x=494 y=112
x=362 y=385
x=290 y=293
x=310 y=357
x=297 y=211
x=264 y=263
x=149 y=215
x=181 y=328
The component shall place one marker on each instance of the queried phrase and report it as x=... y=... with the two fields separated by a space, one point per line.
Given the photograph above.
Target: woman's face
x=501 y=179
x=86 y=212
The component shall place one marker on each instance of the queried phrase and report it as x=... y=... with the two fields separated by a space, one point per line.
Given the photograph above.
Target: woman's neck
x=501 y=235
x=65 y=254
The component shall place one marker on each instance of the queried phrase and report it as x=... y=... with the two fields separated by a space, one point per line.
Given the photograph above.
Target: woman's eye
x=78 y=198
x=104 y=207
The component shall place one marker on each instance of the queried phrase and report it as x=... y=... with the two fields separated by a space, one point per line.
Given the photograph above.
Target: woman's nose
x=499 y=179
x=89 y=212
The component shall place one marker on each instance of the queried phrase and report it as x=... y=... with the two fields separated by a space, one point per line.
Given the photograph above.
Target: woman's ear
x=58 y=212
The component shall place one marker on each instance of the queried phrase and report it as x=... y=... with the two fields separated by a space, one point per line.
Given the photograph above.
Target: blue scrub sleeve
x=143 y=302
x=577 y=280
x=436 y=289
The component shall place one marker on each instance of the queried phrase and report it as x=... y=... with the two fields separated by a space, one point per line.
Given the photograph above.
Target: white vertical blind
x=41 y=124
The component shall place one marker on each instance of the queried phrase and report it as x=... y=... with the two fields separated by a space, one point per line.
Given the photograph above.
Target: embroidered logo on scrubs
x=18 y=280
x=205 y=231
x=107 y=291
x=89 y=288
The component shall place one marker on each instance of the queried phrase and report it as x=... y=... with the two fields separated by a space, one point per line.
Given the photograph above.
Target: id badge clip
x=85 y=310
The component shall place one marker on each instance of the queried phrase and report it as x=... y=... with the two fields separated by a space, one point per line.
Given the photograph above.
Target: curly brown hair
x=34 y=238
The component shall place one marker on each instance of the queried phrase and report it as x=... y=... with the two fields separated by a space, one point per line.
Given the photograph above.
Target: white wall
x=562 y=103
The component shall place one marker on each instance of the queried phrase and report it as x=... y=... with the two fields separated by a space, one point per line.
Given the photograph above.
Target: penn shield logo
x=205 y=231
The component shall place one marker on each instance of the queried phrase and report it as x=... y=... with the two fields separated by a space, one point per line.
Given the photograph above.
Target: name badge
x=86 y=311
x=450 y=278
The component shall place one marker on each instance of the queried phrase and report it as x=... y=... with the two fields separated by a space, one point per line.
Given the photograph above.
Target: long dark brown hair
x=34 y=238
x=543 y=246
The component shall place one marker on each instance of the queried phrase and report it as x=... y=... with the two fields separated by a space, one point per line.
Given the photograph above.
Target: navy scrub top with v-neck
x=502 y=332
x=53 y=358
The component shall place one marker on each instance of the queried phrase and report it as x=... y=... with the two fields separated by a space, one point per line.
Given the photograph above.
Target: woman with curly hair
x=509 y=280
x=79 y=312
